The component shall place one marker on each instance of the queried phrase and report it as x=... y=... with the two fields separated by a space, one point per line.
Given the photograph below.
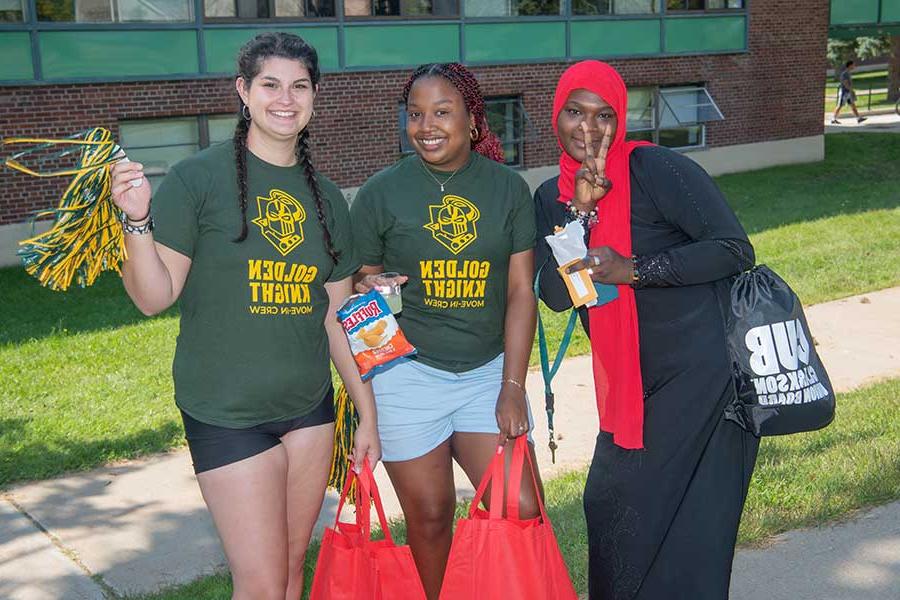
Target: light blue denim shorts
x=420 y=406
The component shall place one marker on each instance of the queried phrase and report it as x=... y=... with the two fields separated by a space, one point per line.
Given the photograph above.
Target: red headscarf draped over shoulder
x=614 y=326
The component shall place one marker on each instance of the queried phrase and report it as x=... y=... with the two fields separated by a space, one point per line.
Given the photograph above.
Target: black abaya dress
x=662 y=521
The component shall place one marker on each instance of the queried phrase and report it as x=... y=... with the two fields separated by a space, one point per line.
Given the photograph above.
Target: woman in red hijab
x=669 y=475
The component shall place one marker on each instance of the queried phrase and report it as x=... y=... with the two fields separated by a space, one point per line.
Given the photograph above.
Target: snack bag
x=568 y=248
x=375 y=338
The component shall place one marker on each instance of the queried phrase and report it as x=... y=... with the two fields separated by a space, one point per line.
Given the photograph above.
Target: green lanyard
x=547 y=371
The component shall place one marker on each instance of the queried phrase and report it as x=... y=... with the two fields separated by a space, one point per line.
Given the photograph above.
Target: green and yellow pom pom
x=345 y=421
x=86 y=238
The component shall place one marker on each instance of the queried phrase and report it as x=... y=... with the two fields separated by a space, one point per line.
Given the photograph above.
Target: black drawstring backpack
x=781 y=386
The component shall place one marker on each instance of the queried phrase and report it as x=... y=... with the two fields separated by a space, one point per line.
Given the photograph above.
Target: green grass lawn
x=800 y=480
x=85 y=379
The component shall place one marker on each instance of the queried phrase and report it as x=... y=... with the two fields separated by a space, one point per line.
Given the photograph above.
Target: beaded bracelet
x=143 y=228
x=587 y=219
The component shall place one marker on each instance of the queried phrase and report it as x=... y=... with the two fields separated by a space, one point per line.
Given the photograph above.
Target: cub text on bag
x=780 y=383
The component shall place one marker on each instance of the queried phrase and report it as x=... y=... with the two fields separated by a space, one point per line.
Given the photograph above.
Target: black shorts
x=212 y=446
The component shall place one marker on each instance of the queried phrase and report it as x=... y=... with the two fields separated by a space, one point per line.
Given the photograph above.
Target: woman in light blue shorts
x=459 y=225
x=420 y=407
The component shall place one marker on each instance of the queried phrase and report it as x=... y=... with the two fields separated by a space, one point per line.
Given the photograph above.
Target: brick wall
x=772 y=92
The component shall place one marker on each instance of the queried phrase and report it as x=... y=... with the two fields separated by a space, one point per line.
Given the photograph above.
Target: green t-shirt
x=454 y=246
x=252 y=346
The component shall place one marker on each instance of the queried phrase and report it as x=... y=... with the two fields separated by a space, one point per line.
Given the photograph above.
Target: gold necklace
x=436 y=180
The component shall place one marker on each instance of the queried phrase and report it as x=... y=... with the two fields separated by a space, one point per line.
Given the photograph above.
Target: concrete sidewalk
x=139 y=526
x=881 y=122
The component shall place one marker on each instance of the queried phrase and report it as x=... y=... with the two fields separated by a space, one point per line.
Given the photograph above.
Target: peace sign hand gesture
x=591 y=183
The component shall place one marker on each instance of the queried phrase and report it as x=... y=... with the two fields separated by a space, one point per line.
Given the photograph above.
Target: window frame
x=521 y=120
x=24 y=9
x=355 y=19
x=704 y=10
x=203 y=138
x=658 y=104
x=303 y=20
x=114 y=23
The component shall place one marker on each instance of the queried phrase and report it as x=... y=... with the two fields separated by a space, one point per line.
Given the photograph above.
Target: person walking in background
x=846 y=94
x=255 y=245
x=670 y=474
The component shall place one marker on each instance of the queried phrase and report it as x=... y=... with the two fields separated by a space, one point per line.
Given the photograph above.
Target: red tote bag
x=352 y=566
x=493 y=557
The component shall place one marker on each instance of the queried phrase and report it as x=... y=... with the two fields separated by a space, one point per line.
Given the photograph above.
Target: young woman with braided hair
x=460 y=226
x=255 y=245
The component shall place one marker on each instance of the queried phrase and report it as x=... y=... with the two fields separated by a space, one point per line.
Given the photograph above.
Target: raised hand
x=130 y=189
x=591 y=183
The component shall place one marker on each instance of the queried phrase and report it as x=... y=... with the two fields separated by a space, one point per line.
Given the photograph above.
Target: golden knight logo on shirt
x=453 y=223
x=280 y=220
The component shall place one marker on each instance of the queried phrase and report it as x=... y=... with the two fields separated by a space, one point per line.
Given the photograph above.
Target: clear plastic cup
x=387 y=285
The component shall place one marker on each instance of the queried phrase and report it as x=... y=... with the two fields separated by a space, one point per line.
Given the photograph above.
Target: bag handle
x=516 y=469
x=495 y=476
x=367 y=491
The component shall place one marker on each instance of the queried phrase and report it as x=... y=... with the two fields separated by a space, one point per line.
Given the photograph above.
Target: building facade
x=735 y=83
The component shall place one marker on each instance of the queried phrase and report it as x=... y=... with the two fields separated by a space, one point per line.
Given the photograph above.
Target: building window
x=513 y=8
x=267 y=9
x=114 y=11
x=674 y=5
x=614 y=7
x=672 y=117
x=507 y=119
x=12 y=11
x=160 y=143
x=401 y=8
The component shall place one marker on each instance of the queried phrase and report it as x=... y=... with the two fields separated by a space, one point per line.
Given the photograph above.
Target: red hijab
x=614 y=326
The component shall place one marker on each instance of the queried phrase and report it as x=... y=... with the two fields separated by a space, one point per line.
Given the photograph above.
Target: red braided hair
x=486 y=142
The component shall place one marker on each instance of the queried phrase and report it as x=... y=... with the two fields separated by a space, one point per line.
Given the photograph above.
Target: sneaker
x=835 y=122
x=861 y=119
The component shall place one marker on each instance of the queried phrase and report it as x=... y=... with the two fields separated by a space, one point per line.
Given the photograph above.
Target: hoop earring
x=314 y=113
x=473 y=134
x=245 y=112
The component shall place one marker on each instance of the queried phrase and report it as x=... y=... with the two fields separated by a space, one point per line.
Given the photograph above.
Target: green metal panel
x=386 y=45
x=15 y=48
x=890 y=11
x=501 y=42
x=222 y=46
x=705 y=34
x=847 y=12
x=615 y=38
x=69 y=54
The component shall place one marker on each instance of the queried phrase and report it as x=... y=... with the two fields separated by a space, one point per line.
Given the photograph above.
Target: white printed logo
x=779 y=355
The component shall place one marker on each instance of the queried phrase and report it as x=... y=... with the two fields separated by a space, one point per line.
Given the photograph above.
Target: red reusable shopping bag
x=493 y=557
x=352 y=566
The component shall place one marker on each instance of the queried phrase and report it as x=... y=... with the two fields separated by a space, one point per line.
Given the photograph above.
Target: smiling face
x=587 y=107
x=280 y=99
x=438 y=124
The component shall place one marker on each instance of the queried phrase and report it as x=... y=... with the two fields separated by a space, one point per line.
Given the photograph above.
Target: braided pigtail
x=240 y=161
x=484 y=141
x=304 y=159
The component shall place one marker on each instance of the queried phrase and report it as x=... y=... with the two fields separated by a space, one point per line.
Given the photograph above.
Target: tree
x=894 y=70
x=861 y=48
